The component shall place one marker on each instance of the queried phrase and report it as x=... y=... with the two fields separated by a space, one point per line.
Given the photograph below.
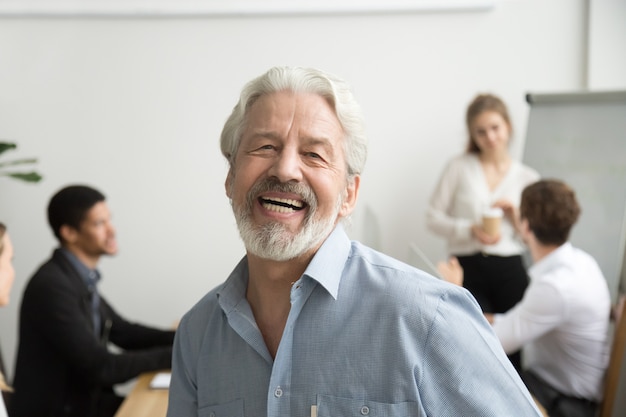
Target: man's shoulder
x=381 y=262
x=368 y=267
x=205 y=308
x=378 y=282
x=50 y=273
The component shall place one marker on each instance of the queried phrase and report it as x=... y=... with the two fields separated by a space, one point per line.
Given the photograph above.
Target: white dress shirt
x=562 y=322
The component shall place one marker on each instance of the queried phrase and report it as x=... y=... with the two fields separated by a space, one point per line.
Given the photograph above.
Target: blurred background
x=132 y=100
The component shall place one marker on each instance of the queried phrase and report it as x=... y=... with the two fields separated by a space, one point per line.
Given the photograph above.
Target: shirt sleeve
x=466 y=372
x=541 y=309
x=438 y=218
x=182 y=400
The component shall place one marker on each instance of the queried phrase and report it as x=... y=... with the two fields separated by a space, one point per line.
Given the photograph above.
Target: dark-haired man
x=562 y=320
x=63 y=365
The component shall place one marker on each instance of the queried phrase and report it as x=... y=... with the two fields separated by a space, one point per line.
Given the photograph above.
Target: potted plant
x=30 y=176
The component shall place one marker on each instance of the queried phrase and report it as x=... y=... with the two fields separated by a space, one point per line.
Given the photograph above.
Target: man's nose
x=287 y=166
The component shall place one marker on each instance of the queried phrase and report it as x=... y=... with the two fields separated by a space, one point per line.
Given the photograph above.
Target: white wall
x=607 y=45
x=134 y=106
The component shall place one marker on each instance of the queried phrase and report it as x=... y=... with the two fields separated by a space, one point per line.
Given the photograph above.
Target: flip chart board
x=580 y=138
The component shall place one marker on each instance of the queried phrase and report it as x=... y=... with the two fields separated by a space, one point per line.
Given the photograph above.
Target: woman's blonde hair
x=3 y=229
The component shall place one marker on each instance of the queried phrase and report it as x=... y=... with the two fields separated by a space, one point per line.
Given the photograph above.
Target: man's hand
x=510 y=211
x=451 y=271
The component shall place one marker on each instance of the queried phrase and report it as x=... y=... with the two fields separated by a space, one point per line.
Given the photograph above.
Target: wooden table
x=144 y=401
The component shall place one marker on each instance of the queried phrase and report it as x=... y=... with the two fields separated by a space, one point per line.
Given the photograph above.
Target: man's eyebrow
x=308 y=140
x=318 y=140
x=268 y=134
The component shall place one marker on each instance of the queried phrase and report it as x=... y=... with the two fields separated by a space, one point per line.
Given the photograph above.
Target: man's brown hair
x=551 y=209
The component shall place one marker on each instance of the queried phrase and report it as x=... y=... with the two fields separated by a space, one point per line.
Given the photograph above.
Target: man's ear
x=524 y=229
x=68 y=233
x=352 y=193
x=228 y=184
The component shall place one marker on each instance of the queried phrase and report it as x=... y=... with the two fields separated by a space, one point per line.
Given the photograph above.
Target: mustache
x=272 y=184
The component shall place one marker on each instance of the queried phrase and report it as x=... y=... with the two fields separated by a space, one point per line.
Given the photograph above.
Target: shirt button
x=278 y=392
x=365 y=410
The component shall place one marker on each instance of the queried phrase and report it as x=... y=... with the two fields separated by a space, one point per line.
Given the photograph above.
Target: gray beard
x=273 y=240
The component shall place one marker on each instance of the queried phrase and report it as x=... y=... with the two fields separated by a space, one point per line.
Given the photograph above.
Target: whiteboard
x=580 y=138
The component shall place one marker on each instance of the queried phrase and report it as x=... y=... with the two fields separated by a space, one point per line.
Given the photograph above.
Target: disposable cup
x=492 y=218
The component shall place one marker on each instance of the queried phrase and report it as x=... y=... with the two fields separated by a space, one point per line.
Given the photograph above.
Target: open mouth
x=282 y=205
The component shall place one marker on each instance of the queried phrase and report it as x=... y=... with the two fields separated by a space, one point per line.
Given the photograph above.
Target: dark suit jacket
x=63 y=368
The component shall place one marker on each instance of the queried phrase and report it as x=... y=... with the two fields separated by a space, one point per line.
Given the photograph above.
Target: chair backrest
x=618 y=352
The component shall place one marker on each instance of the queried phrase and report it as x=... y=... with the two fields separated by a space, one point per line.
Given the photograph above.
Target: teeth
x=294 y=203
x=279 y=209
x=282 y=205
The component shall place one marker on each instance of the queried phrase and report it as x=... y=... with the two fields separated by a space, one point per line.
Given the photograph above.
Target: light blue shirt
x=366 y=336
x=90 y=277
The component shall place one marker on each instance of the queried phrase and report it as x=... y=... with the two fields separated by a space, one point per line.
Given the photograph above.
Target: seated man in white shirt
x=562 y=321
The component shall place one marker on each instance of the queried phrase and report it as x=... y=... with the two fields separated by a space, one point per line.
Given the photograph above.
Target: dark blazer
x=62 y=368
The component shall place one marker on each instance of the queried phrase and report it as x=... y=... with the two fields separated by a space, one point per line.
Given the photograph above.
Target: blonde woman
x=7 y=275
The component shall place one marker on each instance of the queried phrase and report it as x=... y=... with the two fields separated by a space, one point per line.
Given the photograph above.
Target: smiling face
x=7 y=273
x=490 y=132
x=95 y=236
x=289 y=185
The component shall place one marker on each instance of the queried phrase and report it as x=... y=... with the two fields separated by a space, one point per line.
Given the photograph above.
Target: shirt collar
x=89 y=276
x=325 y=268
x=555 y=257
x=329 y=261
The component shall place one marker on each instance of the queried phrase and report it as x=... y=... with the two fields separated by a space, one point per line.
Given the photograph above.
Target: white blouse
x=461 y=196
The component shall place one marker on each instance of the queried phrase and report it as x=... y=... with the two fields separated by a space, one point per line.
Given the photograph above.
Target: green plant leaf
x=18 y=162
x=32 y=176
x=24 y=176
x=6 y=146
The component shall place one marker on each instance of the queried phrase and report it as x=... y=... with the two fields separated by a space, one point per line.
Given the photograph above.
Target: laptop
x=419 y=260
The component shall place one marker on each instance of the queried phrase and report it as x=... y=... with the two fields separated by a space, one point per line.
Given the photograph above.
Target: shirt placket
x=279 y=396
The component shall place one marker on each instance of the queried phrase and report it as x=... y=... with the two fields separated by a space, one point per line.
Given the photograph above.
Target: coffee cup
x=492 y=217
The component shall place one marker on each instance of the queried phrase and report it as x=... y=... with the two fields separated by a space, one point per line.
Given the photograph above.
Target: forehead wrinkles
x=271 y=110
x=278 y=114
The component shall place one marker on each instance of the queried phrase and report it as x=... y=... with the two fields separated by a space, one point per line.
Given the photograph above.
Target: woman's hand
x=483 y=237
x=511 y=212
